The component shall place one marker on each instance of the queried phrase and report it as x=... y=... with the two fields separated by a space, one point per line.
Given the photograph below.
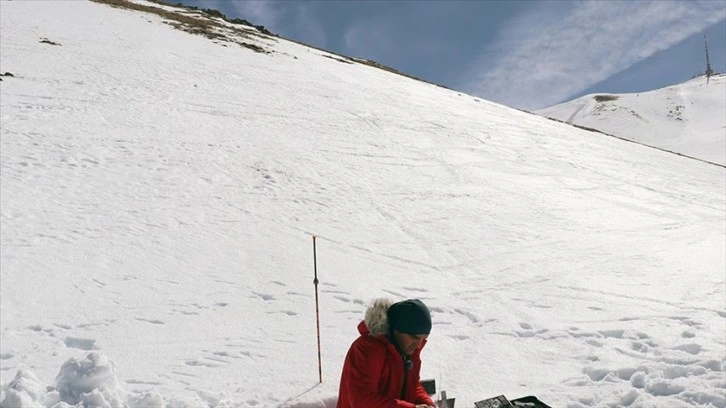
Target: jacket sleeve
x=420 y=394
x=365 y=363
x=422 y=397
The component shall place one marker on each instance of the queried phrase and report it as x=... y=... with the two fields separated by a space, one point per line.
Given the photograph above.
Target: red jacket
x=374 y=372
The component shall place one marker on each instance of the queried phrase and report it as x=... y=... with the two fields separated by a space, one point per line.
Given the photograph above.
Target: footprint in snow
x=459 y=337
x=691 y=348
x=416 y=289
x=263 y=296
x=287 y=312
x=528 y=331
x=197 y=363
x=618 y=334
x=80 y=343
x=152 y=321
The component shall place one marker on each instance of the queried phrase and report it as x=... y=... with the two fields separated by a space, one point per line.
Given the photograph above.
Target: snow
x=687 y=118
x=159 y=193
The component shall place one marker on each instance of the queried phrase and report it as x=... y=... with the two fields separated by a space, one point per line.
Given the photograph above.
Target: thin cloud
x=289 y=19
x=307 y=25
x=259 y=12
x=370 y=38
x=547 y=55
x=392 y=33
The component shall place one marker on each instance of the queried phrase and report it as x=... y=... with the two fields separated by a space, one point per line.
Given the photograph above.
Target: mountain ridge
x=685 y=119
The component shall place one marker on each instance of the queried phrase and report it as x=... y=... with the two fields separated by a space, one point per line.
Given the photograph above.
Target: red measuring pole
x=317 y=309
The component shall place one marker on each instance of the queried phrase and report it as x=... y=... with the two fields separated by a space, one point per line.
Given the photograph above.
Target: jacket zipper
x=405 y=378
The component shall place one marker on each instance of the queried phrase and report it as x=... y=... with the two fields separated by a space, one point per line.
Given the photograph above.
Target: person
x=382 y=367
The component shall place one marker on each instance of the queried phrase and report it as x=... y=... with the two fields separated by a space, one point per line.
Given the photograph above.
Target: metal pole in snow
x=317 y=309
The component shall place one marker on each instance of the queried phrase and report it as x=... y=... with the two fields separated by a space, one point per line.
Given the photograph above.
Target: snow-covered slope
x=158 y=190
x=687 y=118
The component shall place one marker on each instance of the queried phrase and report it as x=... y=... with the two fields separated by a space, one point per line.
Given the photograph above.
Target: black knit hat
x=410 y=317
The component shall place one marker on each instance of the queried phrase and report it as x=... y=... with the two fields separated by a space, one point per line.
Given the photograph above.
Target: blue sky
x=525 y=54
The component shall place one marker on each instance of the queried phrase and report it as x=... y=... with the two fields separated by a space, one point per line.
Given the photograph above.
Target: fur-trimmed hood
x=376 y=317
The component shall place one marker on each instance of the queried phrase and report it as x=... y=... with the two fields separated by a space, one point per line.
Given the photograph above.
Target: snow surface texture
x=159 y=190
x=687 y=118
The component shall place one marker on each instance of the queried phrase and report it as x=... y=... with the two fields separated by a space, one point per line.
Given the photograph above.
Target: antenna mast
x=709 y=71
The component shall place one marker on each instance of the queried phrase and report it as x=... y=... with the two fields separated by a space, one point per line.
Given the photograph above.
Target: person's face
x=409 y=343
